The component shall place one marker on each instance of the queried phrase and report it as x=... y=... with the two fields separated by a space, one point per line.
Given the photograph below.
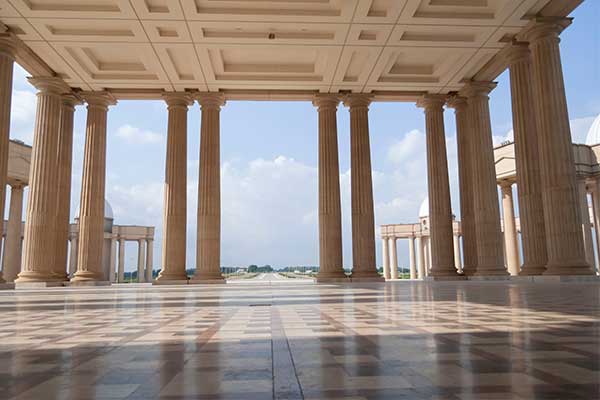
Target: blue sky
x=269 y=160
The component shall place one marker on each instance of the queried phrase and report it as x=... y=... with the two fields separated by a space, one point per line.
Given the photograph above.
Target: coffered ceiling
x=323 y=45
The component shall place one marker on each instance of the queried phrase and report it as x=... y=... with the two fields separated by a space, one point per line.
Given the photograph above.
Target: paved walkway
x=401 y=340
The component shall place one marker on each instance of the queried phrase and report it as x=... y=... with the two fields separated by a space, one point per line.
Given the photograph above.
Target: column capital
x=478 y=89
x=71 y=100
x=16 y=185
x=518 y=52
x=101 y=99
x=357 y=100
x=326 y=101
x=432 y=102
x=505 y=186
x=178 y=99
x=459 y=103
x=210 y=100
x=545 y=28
x=49 y=85
x=8 y=45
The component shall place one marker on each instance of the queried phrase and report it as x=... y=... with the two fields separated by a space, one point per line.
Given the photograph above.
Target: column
x=421 y=257
x=363 y=219
x=63 y=187
x=440 y=211
x=385 y=255
x=149 y=259
x=175 y=197
x=208 y=248
x=141 y=261
x=12 y=242
x=596 y=213
x=112 y=261
x=411 y=257
x=39 y=244
x=490 y=258
x=330 y=214
x=511 y=243
x=464 y=137
x=586 y=225
x=457 y=259
x=91 y=211
x=7 y=60
x=529 y=184
x=121 y=266
x=564 y=242
x=73 y=257
x=393 y=259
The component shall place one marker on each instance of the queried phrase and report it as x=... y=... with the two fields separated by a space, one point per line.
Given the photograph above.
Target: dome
x=424 y=209
x=593 y=136
x=108 y=211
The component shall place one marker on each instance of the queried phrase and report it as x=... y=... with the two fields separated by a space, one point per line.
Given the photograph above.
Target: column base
x=556 y=278
x=165 y=282
x=332 y=279
x=490 y=278
x=367 y=276
x=87 y=276
x=494 y=271
x=38 y=285
x=88 y=283
x=208 y=278
x=34 y=276
x=207 y=281
x=7 y=286
x=440 y=278
x=532 y=270
x=569 y=270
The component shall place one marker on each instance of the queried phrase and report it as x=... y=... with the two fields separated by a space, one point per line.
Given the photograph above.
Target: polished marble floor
x=297 y=340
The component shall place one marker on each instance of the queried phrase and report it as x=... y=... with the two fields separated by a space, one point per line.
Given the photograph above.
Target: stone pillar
x=511 y=243
x=596 y=212
x=121 y=266
x=63 y=192
x=586 y=225
x=393 y=259
x=457 y=258
x=175 y=197
x=531 y=207
x=141 y=261
x=73 y=257
x=464 y=137
x=421 y=257
x=363 y=219
x=330 y=214
x=7 y=60
x=40 y=232
x=149 y=259
x=440 y=211
x=564 y=242
x=411 y=257
x=208 y=251
x=91 y=211
x=490 y=258
x=12 y=242
x=113 y=253
x=385 y=250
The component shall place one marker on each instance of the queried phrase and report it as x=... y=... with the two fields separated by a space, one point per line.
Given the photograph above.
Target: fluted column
x=149 y=259
x=596 y=212
x=393 y=258
x=564 y=242
x=175 y=196
x=420 y=257
x=330 y=214
x=121 y=264
x=7 y=60
x=12 y=242
x=457 y=258
x=490 y=257
x=63 y=187
x=91 y=210
x=208 y=248
x=363 y=219
x=531 y=208
x=39 y=246
x=511 y=243
x=464 y=137
x=440 y=211
x=141 y=261
x=411 y=258
x=73 y=257
x=112 y=261
x=385 y=255
x=586 y=225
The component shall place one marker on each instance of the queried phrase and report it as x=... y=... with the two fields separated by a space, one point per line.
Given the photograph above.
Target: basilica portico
x=333 y=53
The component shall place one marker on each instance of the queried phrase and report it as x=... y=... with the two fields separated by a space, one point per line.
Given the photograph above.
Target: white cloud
x=580 y=128
x=133 y=134
x=23 y=107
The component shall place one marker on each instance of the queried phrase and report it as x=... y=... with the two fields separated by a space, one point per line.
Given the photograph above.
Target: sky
x=269 y=160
